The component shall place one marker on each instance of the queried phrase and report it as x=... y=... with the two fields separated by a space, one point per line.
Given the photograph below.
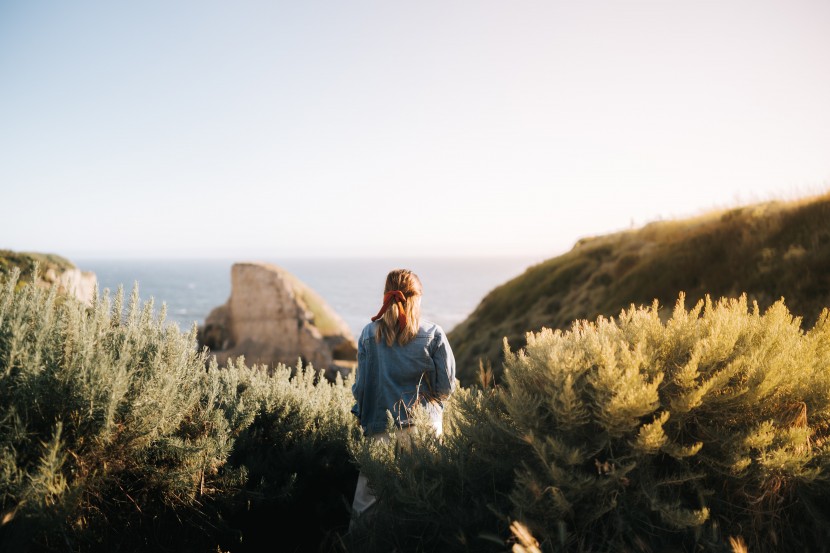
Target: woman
x=402 y=362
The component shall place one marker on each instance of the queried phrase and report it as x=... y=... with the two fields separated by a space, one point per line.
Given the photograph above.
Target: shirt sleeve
x=444 y=361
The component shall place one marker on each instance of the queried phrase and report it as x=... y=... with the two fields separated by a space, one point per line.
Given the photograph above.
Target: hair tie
x=389 y=297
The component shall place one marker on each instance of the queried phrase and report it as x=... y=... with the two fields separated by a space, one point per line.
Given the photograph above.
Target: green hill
x=767 y=250
x=26 y=261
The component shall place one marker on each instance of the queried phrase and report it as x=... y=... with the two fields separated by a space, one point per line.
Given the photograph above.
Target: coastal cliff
x=52 y=270
x=272 y=317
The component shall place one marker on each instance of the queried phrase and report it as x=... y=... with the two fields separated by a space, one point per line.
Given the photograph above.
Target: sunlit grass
x=770 y=250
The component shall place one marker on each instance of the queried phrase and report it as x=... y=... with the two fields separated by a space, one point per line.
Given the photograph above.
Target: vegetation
x=48 y=264
x=115 y=436
x=685 y=430
x=767 y=251
x=645 y=436
x=704 y=433
x=701 y=430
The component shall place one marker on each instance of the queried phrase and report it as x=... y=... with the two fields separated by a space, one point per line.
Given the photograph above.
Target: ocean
x=453 y=287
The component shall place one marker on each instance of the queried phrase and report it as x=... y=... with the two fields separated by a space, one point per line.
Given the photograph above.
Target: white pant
x=363 y=495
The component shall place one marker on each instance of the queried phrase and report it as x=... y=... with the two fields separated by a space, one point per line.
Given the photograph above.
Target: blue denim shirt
x=393 y=378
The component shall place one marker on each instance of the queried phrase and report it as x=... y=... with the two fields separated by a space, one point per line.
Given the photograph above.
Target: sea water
x=190 y=289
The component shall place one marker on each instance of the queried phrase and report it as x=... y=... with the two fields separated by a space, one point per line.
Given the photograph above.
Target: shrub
x=644 y=436
x=295 y=454
x=109 y=422
x=448 y=494
x=115 y=433
x=627 y=434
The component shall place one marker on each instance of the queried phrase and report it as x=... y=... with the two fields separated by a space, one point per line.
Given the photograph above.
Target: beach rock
x=272 y=317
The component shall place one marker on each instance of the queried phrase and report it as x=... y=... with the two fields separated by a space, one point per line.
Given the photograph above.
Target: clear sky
x=451 y=128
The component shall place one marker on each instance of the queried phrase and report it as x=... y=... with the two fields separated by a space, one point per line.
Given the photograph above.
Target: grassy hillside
x=768 y=251
x=26 y=262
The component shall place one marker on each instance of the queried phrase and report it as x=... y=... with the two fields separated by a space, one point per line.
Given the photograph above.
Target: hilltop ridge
x=768 y=250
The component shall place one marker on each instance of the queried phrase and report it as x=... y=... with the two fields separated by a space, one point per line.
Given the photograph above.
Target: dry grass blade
x=738 y=544
x=526 y=542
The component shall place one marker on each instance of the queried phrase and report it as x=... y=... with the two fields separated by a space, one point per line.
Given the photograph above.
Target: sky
x=202 y=129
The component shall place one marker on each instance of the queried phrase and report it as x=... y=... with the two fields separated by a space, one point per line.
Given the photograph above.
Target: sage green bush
x=299 y=474
x=641 y=435
x=116 y=433
x=699 y=433
x=107 y=418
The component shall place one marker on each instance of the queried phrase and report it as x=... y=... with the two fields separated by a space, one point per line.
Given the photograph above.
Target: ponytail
x=400 y=316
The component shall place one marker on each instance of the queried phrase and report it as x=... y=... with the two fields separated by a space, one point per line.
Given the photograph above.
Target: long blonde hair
x=393 y=326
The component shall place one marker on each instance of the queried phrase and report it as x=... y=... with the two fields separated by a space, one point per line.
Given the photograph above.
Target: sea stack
x=272 y=317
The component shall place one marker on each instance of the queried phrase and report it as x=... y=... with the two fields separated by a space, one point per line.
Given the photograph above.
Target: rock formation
x=80 y=284
x=272 y=317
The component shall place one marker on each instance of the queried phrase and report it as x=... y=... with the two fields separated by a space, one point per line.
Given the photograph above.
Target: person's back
x=396 y=378
x=402 y=362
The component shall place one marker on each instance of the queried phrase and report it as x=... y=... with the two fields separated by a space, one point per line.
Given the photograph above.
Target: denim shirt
x=393 y=378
